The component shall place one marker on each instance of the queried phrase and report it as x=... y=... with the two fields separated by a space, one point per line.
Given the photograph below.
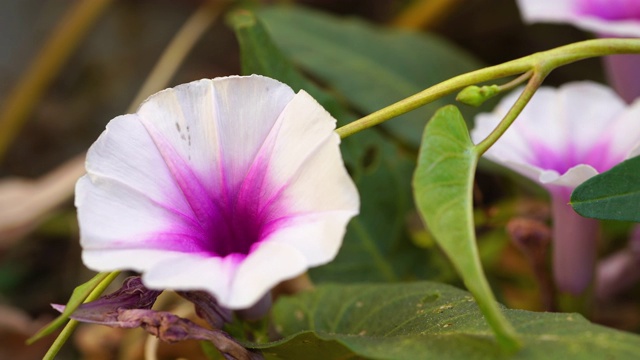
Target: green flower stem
x=515 y=82
x=541 y=64
x=72 y=324
x=510 y=117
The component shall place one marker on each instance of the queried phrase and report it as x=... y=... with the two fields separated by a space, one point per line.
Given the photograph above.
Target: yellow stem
x=424 y=13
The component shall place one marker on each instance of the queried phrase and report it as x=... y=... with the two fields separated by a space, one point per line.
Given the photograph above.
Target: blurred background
x=57 y=94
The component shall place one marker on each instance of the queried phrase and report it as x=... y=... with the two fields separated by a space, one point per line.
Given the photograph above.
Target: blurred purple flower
x=619 y=271
x=619 y=18
x=228 y=185
x=606 y=18
x=563 y=137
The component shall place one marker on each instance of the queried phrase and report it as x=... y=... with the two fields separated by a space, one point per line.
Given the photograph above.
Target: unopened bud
x=475 y=95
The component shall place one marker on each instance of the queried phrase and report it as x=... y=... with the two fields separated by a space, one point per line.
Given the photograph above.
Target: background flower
x=606 y=18
x=228 y=185
x=562 y=138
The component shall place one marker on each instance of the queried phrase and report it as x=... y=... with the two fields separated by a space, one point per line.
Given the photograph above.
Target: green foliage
x=425 y=320
x=370 y=67
x=377 y=245
x=613 y=195
x=443 y=184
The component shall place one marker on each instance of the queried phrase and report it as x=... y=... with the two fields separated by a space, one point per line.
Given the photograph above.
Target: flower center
x=243 y=216
x=234 y=231
x=610 y=9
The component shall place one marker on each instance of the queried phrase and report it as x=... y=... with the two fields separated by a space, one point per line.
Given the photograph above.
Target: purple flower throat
x=229 y=220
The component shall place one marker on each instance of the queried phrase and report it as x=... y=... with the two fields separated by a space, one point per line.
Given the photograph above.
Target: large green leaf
x=376 y=245
x=443 y=184
x=425 y=320
x=371 y=67
x=614 y=194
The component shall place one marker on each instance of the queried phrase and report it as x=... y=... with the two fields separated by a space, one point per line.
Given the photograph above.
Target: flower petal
x=237 y=283
x=564 y=136
x=307 y=172
x=214 y=127
x=228 y=185
x=195 y=272
x=134 y=162
x=569 y=11
x=114 y=216
x=260 y=272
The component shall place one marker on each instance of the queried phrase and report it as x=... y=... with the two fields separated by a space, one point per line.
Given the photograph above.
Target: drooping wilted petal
x=169 y=328
x=105 y=310
x=208 y=308
x=228 y=185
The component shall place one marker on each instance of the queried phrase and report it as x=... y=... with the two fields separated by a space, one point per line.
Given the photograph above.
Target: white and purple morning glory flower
x=605 y=18
x=563 y=137
x=228 y=185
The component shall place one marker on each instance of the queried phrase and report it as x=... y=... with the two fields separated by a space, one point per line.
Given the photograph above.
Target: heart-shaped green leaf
x=442 y=184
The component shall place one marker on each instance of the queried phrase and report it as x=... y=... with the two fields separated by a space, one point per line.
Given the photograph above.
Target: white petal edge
x=317 y=236
x=139 y=260
x=112 y=215
x=236 y=285
x=270 y=264
x=571 y=179
x=125 y=153
x=562 y=12
x=625 y=132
